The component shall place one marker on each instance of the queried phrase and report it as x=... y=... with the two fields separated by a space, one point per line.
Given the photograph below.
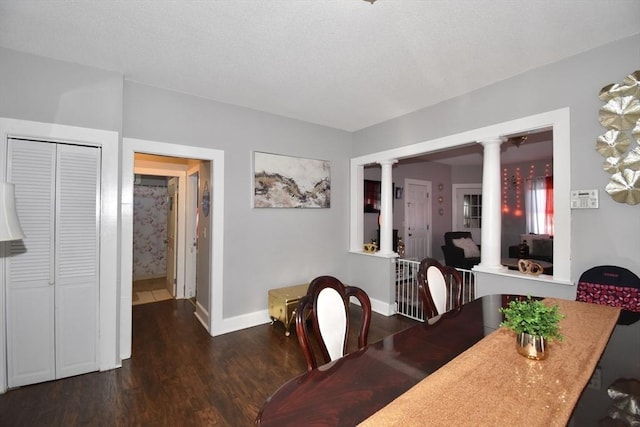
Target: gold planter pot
x=531 y=346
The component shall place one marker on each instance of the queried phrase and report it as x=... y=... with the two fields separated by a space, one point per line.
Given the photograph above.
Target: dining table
x=457 y=369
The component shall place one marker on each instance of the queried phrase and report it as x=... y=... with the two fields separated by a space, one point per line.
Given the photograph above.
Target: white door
x=467 y=209
x=52 y=274
x=172 y=227
x=191 y=261
x=417 y=218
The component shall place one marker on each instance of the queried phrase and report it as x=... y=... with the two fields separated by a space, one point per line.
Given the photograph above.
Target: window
x=538 y=202
x=472 y=210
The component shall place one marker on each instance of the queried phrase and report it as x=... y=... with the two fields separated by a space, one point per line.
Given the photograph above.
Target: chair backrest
x=326 y=305
x=437 y=284
x=612 y=285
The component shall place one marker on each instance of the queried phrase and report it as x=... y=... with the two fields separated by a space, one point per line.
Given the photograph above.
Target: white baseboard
x=261 y=317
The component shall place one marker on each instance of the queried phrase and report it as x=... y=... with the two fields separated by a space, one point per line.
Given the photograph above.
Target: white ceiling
x=346 y=64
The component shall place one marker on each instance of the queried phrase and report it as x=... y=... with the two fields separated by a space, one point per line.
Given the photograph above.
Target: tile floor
x=150 y=290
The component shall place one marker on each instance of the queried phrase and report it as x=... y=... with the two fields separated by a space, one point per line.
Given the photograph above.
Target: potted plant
x=534 y=323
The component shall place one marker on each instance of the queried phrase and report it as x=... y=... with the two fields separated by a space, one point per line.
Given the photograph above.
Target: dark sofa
x=453 y=255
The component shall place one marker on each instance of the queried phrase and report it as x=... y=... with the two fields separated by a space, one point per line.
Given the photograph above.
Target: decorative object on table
x=399 y=192
x=523 y=250
x=620 y=116
x=370 y=247
x=290 y=182
x=534 y=323
x=400 y=247
x=527 y=266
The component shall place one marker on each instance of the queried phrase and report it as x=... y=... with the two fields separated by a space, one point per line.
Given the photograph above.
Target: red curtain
x=549 y=204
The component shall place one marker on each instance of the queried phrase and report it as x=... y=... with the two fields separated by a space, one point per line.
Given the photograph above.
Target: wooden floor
x=178 y=376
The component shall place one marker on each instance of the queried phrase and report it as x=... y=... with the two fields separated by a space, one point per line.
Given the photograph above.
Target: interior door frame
x=212 y=319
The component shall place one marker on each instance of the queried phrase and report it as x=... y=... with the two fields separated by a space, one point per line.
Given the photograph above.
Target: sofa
x=460 y=251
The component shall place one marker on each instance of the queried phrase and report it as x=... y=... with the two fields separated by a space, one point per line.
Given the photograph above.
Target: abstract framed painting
x=290 y=182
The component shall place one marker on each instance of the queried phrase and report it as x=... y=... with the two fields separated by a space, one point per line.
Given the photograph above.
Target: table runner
x=491 y=384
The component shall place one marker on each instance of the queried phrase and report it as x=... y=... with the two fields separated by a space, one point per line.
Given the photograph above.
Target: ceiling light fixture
x=370 y=1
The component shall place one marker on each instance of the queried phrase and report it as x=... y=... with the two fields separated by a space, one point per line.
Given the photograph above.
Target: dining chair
x=326 y=307
x=612 y=285
x=437 y=286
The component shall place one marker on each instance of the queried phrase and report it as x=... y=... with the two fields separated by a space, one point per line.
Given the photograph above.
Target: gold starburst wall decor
x=620 y=115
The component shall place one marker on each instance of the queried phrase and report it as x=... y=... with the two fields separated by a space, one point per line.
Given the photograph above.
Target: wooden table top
x=350 y=389
x=506 y=387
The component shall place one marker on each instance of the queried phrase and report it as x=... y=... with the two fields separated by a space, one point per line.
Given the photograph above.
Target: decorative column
x=491 y=234
x=386 y=208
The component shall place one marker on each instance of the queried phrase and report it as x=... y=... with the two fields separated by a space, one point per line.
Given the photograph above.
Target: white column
x=386 y=208
x=491 y=234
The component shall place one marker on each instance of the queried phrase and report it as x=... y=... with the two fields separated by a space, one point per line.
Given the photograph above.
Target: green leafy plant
x=533 y=317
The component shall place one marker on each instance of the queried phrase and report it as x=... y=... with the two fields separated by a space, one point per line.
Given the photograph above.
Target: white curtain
x=537 y=206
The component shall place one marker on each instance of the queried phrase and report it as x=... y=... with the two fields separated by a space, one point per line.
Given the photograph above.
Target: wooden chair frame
x=307 y=309
x=449 y=273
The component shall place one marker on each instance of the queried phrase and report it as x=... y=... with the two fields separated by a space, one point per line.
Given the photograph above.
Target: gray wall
x=263 y=248
x=42 y=90
x=608 y=235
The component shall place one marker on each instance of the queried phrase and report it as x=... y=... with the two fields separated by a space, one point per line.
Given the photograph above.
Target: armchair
x=461 y=253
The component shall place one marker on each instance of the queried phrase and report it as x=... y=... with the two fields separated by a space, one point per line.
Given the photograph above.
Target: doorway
x=209 y=286
x=165 y=225
x=155 y=225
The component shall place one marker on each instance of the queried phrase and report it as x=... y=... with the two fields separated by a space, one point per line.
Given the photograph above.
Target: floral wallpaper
x=149 y=231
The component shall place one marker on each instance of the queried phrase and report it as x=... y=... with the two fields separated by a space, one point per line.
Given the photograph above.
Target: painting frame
x=282 y=181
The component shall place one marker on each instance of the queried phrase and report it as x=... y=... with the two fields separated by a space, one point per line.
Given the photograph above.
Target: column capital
x=491 y=141
x=388 y=162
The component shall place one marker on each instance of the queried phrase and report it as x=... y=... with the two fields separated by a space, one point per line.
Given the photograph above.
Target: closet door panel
x=30 y=271
x=77 y=259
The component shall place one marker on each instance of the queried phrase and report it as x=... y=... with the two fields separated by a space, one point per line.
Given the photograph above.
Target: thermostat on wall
x=584 y=199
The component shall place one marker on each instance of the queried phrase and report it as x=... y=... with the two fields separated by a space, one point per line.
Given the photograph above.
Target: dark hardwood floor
x=178 y=375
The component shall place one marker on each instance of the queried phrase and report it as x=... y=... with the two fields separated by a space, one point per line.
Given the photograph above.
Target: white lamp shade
x=9 y=225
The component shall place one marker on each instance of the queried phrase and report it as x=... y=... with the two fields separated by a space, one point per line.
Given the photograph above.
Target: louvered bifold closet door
x=30 y=270
x=52 y=274
x=76 y=295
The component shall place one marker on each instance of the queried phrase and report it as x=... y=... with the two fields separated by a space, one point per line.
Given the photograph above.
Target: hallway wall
x=149 y=231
